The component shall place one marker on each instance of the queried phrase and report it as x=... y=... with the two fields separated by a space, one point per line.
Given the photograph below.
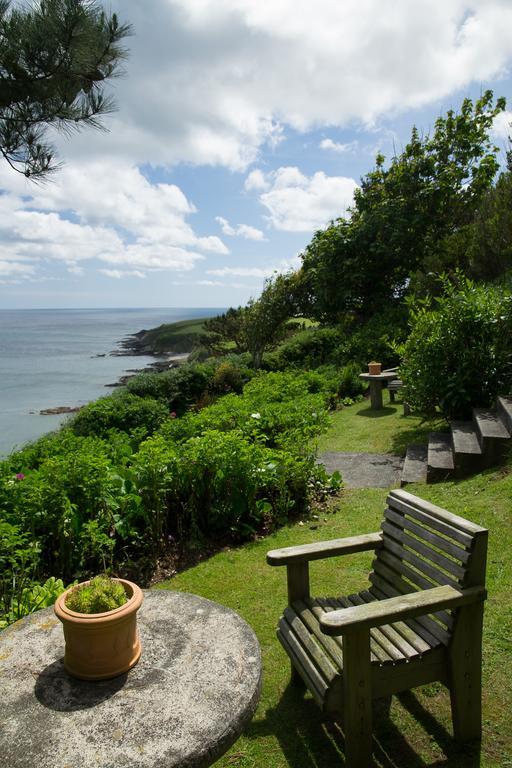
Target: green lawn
x=288 y=729
x=359 y=428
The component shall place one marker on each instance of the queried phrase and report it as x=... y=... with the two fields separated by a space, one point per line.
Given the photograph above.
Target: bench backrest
x=425 y=546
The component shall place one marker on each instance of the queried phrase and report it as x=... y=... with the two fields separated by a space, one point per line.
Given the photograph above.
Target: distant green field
x=173 y=337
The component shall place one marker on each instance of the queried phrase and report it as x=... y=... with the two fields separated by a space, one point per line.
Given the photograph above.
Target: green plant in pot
x=99 y=619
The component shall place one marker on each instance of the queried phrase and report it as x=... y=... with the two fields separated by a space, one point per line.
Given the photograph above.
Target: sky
x=243 y=126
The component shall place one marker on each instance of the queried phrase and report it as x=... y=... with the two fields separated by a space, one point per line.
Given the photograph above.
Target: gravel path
x=364 y=470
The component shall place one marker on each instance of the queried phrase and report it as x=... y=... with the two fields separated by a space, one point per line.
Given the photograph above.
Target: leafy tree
x=264 y=320
x=490 y=249
x=405 y=217
x=223 y=329
x=55 y=57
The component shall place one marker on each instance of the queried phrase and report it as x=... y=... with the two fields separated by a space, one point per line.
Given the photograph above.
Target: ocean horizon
x=62 y=357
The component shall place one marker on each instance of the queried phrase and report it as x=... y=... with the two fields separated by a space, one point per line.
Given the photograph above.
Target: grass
x=359 y=428
x=174 y=337
x=288 y=729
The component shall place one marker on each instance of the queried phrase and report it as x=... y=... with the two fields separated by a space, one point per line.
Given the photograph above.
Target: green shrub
x=122 y=411
x=227 y=378
x=178 y=388
x=459 y=352
x=218 y=484
x=350 y=385
x=306 y=349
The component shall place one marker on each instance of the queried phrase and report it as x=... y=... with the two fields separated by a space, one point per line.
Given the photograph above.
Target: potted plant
x=374 y=369
x=99 y=619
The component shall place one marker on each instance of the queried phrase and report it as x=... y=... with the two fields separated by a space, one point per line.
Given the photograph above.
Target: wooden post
x=298 y=581
x=466 y=653
x=357 y=699
x=298 y=589
x=466 y=673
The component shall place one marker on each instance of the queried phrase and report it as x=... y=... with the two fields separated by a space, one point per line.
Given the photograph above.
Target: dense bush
x=350 y=385
x=459 y=352
x=121 y=411
x=178 y=388
x=306 y=349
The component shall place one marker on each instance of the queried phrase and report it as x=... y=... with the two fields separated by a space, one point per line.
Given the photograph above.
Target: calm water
x=48 y=359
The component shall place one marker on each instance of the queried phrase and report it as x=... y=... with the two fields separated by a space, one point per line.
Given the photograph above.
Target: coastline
x=60 y=360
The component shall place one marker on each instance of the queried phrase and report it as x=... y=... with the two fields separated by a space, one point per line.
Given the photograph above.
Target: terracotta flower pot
x=374 y=369
x=101 y=645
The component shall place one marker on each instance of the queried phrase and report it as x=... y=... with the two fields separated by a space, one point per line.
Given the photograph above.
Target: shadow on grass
x=418 y=434
x=307 y=740
x=373 y=413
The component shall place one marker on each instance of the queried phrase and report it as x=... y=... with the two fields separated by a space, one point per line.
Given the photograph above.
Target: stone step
x=440 y=457
x=467 y=452
x=492 y=434
x=504 y=409
x=415 y=465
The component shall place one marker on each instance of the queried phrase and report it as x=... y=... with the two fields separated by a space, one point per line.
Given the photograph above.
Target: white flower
x=255 y=415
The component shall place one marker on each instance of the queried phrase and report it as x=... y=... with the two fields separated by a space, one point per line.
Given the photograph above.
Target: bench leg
x=357 y=699
x=392 y=395
x=466 y=674
x=295 y=679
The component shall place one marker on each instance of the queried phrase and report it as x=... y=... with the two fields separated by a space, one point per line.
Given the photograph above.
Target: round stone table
x=195 y=687
x=376 y=383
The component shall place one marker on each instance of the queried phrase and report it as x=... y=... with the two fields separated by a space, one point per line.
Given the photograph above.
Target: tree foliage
x=405 y=216
x=265 y=318
x=55 y=58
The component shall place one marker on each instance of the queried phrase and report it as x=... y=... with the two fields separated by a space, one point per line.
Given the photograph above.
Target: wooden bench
x=419 y=620
x=393 y=387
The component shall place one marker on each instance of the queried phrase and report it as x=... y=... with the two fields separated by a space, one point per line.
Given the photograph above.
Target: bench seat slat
x=302 y=633
x=307 y=614
x=406 y=650
x=412 y=637
x=378 y=641
x=417 y=625
x=432 y=626
x=301 y=661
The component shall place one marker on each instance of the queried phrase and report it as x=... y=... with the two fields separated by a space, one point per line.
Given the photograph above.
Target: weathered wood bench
x=418 y=621
x=393 y=387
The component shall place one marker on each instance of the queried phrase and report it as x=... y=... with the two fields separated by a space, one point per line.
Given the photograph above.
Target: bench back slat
x=424 y=546
x=425 y=551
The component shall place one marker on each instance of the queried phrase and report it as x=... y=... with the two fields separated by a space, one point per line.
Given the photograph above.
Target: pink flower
x=172 y=414
x=20 y=476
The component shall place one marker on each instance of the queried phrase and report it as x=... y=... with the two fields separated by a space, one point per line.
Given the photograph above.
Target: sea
x=62 y=357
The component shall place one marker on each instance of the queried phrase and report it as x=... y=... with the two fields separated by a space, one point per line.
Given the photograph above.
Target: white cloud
x=298 y=203
x=335 y=146
x=502 y=126
x=243 y=230
x=119 y=273
x=8 y=268
x=255 y=180
x=250 y=233
x=213 y=81
x=104 y=211
x=257 y=272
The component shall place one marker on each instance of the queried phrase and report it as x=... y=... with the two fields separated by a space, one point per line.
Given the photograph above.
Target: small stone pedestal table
x=376 y=383
x=195 y=687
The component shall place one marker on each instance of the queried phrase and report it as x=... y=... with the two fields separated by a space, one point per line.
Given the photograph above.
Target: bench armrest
x=322 y=549
x=348 y=620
